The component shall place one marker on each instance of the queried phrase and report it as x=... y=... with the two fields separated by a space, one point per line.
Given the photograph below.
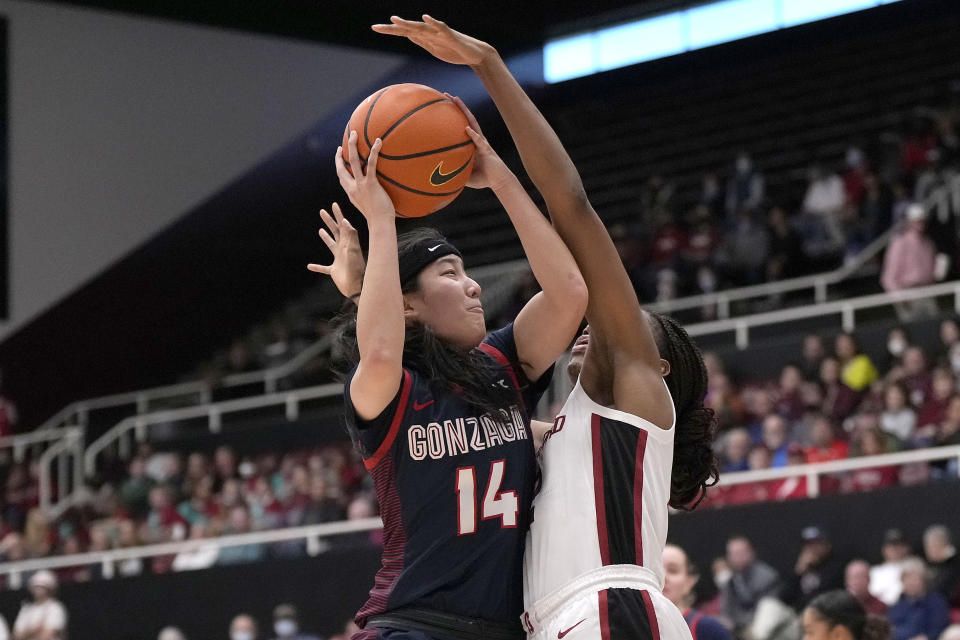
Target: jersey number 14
x=496 y=504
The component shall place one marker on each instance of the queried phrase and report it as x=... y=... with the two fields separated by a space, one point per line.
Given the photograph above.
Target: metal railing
x=813 y=471
x=139 y=425
x=77 y=413
x=313 y=534
x=818 y=282
x=108 y=560
x=67 y=454
x=846 y=309
x=20 y=443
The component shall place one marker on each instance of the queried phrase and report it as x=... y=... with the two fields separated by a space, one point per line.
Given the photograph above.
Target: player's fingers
x=354 y=154
x=476 y=136
x=331 y=224
x=346 y=178
x=327 y=240
x=319 y=268
x=472 y=119
x=433 y=21
x=388 y=29
x=372 y=158
x=338 y=215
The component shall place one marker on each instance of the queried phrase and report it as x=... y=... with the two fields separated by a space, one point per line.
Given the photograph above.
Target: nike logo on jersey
x=438 y=178
x=432 y=249
x=417 y=406
x=561 y=634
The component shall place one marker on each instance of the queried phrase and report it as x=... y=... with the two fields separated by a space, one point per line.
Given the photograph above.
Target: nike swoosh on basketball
x=438 y=178
x=431 y=249
x=417 y=406
x=561 y=634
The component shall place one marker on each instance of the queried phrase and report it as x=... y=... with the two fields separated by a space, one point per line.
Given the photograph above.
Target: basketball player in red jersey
x=633 y=434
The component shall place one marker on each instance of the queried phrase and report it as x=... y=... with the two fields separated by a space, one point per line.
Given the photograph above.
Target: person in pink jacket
x=910 y=262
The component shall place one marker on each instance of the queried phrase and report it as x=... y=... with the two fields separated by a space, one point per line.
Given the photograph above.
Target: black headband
x=415 y=260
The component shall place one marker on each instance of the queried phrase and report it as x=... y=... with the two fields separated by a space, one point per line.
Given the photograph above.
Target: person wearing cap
x=910 y=261
x=45 y=618
x=286 y=624
x=817 y=570
x=440 y=410
x=885 y=581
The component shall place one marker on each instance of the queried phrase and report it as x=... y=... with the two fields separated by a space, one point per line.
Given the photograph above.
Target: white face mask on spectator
x=241 y=635
x=285 y=628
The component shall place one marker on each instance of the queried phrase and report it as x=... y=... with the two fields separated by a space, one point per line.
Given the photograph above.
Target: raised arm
x=380 y=322
x=546 y=324
x=613 y=309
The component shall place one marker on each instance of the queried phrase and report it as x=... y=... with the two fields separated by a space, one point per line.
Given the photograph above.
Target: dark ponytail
x=473 y=375
x=694 y=462
x=839 y=607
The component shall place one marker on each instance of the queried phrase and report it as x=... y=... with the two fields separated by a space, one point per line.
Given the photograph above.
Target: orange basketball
x=426 y=157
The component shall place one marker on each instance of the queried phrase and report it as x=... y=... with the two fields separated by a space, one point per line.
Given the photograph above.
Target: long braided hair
x=473 y=375
x=694 y=462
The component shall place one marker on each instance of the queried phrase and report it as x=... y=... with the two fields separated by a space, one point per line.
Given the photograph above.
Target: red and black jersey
x=454 y=489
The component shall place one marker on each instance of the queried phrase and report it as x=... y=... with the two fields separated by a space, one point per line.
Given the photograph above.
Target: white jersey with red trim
x=603 y=497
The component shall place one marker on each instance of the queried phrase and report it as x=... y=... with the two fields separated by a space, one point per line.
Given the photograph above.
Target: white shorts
x=617 y=602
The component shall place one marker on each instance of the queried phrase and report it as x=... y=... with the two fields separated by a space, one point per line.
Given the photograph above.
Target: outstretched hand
x=439 y=39
x=360 y=180
x=348 y=264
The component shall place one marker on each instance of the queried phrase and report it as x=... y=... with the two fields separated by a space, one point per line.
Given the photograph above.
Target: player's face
x=448 y=301
x=577 y=354
x=677 y=581
x=814 y=628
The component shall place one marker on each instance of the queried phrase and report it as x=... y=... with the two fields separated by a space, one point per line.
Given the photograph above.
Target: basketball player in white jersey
x=633 y=435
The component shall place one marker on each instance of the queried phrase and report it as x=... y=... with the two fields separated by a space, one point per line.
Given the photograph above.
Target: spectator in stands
x=885 y=581
x=712 y=196
x=812 y=355
x=171 y=633
x=897 y=419
x=126 y=538
x=909 y=262
x=897 y=344
x=933 y=410
x=723 y=398
x=136 y=488
x=948 y=433
x=825 y=199
x=857 y=371
x=949 y=336
x=919 y=612
x=45 y=617
x=916 y=377
x=786 y=259
x=38 y=538
x=8 y=413
x=286 y=624
x=838 y=615
x=680 y=577
x=750 y=581
x=225 y=465
x=855 y=176
x=857 y=581
x=776 y=439
x=815 y=571
x=742 y=256
x=789 y=398
x=944 y=562
x=163 y=523
x=201 y=505
x=871 y=442
x=243 y=627
x=239 y=522
x=736 y=448
x=322 y=507
x=746 y=187
x=826 y=446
